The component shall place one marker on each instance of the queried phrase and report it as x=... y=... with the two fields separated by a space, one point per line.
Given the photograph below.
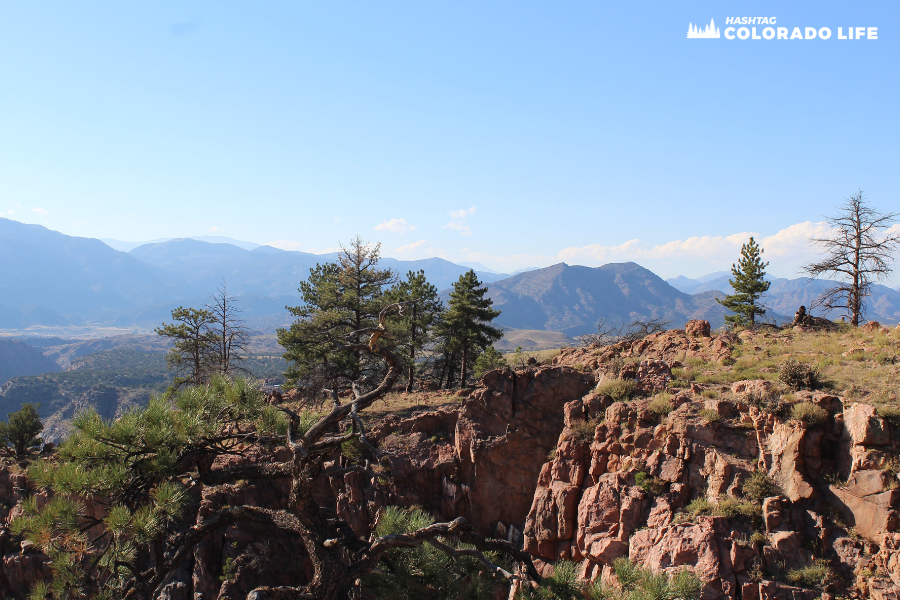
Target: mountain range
x=786 y=295
x=51 y=279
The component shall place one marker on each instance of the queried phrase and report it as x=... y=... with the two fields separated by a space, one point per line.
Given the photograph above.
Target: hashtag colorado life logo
x=766 y=28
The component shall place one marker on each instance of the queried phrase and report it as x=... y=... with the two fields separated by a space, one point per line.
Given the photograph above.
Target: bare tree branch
x=858 y=252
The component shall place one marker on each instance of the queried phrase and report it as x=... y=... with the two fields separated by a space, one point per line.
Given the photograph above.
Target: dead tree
x=858 y=252
x=227 y=331
x=338 y=556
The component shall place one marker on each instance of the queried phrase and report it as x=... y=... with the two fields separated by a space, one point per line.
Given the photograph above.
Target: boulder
x=871 y=327
x=787 y=450
x=864 y=427
x=697 y=328
x=652 y=376
x=872 y=514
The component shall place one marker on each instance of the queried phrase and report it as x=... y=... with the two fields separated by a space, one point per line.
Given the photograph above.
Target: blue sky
x=510 y=133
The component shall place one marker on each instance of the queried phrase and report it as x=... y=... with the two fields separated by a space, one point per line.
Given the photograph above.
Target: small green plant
x=758 y=537
x=700 y=506
x=552 y=454
x=619 y=390
x=798 y=375
x=227 y=570
x=708 y=393
x=584 y=430
x=888 y=359
x=759 y=486
x=814 y=575
x=660 y=406
x=652 y=485
x=683 y=375
x=811 y=414
x=709 y=415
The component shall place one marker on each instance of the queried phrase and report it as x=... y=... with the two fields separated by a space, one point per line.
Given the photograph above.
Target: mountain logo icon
x=711 y=30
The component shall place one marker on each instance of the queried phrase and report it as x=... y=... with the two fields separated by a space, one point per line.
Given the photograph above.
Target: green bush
x=661 y=406
x=726 y=507
x=619 y=390
x=798 y=375
x=815 y=575
x=889 y=413
x=426 y=572
x=652 y=485
x=758 y=537
x=759 y=486
x=22 y=428
x=709 y=415
x=809 y=413
x=584 y=430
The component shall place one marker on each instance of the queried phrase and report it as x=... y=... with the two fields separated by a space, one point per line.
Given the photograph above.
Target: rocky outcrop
x=670 y=494
x=670 y=346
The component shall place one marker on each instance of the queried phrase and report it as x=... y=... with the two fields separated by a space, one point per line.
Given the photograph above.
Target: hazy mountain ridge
x=572 y=299
x=18 y=359
x=786 y=295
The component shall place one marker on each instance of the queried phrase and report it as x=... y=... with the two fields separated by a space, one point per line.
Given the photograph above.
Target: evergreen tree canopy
x=22 y=428
x=338 y=299
x=749 y=284
x=465 y=326
x=193 y=343
x=411 y=332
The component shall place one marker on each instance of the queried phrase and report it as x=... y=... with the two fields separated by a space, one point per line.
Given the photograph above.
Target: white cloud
x=79 y=223
x=337 y=219
x=395 y=226
x=411 y=247
x=787 y=250
x=416 y=250
x=462 y=213
x=215 y=229
x=10 y=212
x=463 y=229
x=456 y=220
x=42 y=211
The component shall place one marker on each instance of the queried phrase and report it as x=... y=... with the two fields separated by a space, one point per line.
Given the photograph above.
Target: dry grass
x=870 y=371
x=542 y=356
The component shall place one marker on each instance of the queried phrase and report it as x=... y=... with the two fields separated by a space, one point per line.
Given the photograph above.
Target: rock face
x=589 y=506
x=535 y=456
x=669 y=346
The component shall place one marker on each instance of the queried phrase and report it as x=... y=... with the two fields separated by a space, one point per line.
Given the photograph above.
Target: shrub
x=684 y=585
x=652 y=485
x=890 y=413
x=21 y=429
x=759 y=486
x=809 y=413
x=660 y=406
x=682 y=375
x=584 y=430
x=700 y=506
x=814 y=575
x=758 y=537
x=733 y=509
x=641 y=583
x=798 y=375
x=709 y=415
x=618 y=389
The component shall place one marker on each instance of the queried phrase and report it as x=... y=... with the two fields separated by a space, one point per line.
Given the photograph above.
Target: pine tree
x=338 y=299
x=466 y=322
x=22 y=428
x=749 y=284
x=191 y=353
x=411 y=332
